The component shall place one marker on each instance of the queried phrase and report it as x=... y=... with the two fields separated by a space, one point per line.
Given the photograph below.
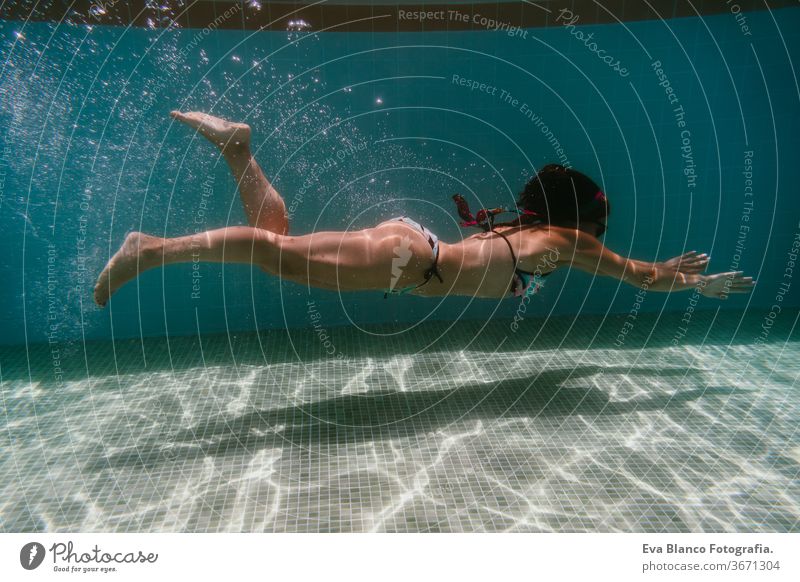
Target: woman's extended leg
x=345 y=261
x=263 y=204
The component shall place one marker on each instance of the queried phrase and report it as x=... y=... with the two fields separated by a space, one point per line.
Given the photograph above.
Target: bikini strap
x=434 y=268
x=510 y=248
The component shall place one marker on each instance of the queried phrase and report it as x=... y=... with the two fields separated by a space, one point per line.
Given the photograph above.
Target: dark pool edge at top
x=410 y=17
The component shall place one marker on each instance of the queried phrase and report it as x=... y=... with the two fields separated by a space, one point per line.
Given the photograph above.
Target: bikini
x=522 y=283
x=433 y=240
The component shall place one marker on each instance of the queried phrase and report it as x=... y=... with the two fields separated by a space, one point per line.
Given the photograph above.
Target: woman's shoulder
x=551 y=238
x=537 y=230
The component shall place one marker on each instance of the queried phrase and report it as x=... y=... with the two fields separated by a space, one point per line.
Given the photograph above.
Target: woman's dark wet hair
x=561 y=195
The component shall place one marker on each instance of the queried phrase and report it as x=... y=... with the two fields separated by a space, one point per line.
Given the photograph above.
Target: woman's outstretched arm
x=587 y=253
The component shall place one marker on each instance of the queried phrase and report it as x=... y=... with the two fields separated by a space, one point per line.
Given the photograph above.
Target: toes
x=97 y=298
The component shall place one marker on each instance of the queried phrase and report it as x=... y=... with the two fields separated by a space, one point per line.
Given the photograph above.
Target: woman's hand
x=689 y=262
x=721 y=285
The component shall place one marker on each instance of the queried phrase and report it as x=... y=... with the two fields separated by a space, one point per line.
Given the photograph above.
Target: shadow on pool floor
x=397 y=415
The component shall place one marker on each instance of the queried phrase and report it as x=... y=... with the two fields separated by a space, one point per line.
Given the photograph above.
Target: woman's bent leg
x=264 y=206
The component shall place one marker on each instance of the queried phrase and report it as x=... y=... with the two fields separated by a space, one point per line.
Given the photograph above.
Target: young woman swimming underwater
x=559 y=218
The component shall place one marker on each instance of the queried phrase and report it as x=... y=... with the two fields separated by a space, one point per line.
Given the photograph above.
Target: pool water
x=356 y=128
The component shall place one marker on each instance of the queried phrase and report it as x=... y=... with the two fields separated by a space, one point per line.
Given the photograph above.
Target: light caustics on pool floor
x=701 y=436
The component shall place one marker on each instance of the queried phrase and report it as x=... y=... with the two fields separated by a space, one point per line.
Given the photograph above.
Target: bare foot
x=133 y=257
x=223 y=134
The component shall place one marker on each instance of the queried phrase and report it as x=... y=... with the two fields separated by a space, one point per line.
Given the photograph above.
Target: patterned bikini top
x=523 y=283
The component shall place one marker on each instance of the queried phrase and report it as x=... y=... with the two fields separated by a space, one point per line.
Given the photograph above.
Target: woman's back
x=482 y=265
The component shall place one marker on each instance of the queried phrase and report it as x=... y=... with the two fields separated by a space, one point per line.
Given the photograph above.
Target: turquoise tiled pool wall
x=355 y=128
